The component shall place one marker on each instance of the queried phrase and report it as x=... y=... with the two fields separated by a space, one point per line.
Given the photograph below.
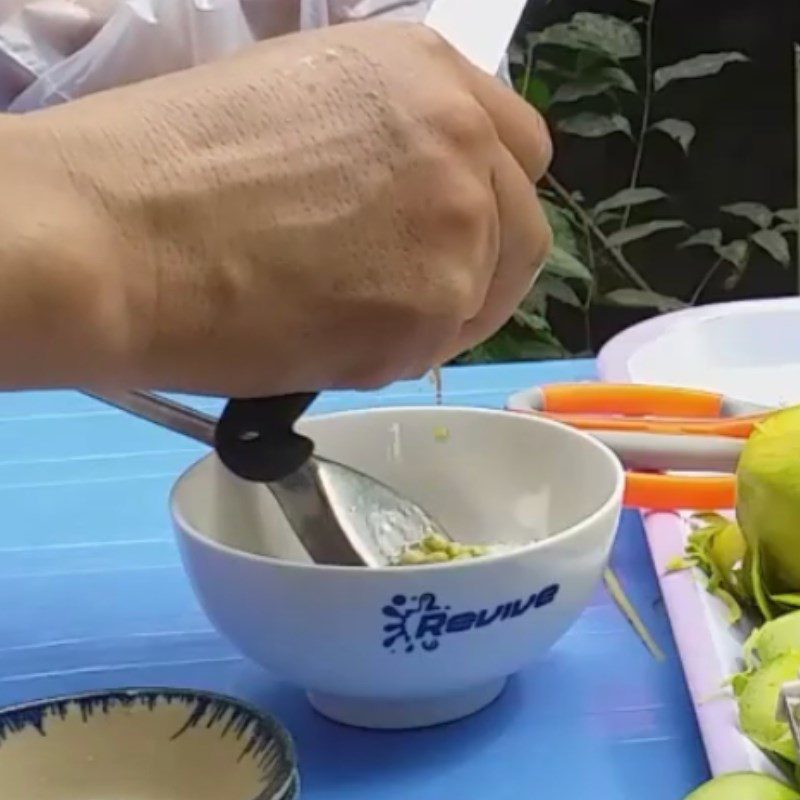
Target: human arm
x=62 y=316
x=333 y=209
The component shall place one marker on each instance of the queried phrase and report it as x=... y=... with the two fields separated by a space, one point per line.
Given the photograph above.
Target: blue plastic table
x=93 y=596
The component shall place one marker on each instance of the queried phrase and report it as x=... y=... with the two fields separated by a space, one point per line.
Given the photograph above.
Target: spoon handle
x=255 y=438
x=161 y=411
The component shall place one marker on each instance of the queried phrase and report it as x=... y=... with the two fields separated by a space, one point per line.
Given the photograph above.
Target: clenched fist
x=332 y=209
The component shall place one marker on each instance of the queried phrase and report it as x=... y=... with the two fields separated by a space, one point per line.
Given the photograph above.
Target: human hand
x=339 y=208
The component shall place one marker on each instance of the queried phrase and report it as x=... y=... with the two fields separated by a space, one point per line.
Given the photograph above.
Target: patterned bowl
x=147 y=744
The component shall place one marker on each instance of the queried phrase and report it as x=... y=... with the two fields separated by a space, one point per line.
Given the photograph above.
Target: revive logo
x=420 y=620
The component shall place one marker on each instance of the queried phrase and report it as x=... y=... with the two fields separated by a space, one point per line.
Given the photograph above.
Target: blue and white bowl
x=144 y=744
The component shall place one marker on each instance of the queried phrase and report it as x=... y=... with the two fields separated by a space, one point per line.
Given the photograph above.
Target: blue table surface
x=94 y=596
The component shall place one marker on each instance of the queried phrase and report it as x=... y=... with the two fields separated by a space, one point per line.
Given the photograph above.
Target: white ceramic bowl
x=411 y=646
x=144 y=744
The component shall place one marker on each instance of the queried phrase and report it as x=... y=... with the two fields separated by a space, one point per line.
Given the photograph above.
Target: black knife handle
x=255 y=439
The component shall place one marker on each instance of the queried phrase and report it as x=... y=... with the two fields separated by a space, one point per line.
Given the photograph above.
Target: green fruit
x=768 y=499
x=758 y=700
x=775 y=638
x=743 y=786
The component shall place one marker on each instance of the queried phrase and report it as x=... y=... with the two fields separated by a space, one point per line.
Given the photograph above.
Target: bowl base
x=411 y=712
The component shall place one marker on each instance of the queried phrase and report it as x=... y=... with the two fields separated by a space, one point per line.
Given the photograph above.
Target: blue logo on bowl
x=421 y=620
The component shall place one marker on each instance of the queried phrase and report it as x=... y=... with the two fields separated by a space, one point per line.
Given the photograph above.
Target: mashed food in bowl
x=435 y=548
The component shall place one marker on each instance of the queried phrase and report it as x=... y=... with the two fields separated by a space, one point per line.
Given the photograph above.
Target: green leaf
x=697 y=67
x=619 y=78
x=757 y=213
x=790 y=215
x=735 y=253
x=590 y=61
x=593 y=125
x=509 y=344
x=532 y=320
x=541 y=65
x=535 y=301
x=639 y=298
x=536 y=92
x=565 y=265
x=635 y=232
x=711 y=237
x=609 y=218
x=775 y=244
x=602 y=33
x=559 y=289
x=564 y=225
x=585 y=87
x=629 y=197
x=678 y=130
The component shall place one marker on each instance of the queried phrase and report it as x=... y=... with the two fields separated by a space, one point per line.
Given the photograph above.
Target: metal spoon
x=340 y=515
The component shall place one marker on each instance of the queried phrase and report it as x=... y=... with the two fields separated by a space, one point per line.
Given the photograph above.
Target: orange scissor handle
x=643 y=408
x=656 y=492
x=735 y=427
x=635 y=400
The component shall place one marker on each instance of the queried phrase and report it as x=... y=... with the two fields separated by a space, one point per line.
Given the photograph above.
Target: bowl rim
x=615 y=498
x=268 y=720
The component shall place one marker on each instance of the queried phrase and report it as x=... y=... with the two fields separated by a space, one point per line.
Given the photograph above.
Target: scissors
x=680 y=446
